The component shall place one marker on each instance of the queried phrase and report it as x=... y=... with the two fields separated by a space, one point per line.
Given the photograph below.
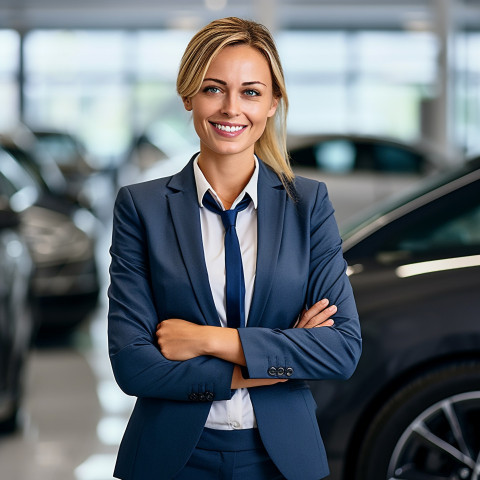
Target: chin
x=228 y=149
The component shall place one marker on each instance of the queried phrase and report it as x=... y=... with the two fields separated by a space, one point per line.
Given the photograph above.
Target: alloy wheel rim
x=442 y=443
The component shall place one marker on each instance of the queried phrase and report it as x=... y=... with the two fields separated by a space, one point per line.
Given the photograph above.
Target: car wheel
x=429 y=430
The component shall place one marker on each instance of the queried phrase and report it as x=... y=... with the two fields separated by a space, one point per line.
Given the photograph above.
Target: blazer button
x=280 y=371
x=201 y=397
x=209 y=396
x=289 y=371
x=193 y=397
x=272 y=371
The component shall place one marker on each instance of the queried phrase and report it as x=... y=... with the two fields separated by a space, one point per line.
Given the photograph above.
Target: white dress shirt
x=236 y=413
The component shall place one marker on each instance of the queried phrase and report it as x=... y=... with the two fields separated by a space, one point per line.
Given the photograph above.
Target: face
x=231 y=109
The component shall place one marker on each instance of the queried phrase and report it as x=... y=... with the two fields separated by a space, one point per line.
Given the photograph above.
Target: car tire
x=429 y=429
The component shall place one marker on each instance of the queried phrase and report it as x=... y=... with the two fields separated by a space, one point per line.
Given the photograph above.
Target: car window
x=61 y=147
x=450 y=224
x=343 y=155
x=462 y=231
x=335 y=156
x=389 y=158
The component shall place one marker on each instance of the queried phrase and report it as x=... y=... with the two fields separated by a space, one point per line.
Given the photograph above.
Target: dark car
x=86 y=181
x=68 y=153
x=62 y=246
x=362 y=170
x=346 y=153
x=22 y=144
x=412 y=409
x=17 y=325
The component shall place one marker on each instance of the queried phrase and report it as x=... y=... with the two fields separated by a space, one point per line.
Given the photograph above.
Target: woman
x=212 y=322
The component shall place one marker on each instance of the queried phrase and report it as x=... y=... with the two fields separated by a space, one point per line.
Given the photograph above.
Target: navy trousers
x=229 y=455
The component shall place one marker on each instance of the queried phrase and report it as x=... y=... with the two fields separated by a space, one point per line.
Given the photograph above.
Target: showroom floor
x=74 y=413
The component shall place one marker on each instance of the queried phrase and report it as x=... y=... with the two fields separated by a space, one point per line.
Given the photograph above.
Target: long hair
x=206 y=44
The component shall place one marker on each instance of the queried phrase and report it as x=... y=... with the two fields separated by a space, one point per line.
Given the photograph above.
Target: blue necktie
x=235 y=282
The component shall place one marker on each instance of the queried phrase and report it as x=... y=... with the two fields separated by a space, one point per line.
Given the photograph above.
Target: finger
x=311 y=312
x=299 y=319
x=316 y=308
x=321 y=317
x=326 y=323
x=324 y=315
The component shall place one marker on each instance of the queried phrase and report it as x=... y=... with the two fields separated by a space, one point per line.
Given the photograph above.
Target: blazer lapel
x=186 y=221
x=270 y=216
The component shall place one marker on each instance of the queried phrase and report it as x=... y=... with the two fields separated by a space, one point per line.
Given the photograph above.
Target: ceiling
x=380 y=14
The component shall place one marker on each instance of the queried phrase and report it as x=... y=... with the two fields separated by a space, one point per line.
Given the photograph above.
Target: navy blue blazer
x=158 y=271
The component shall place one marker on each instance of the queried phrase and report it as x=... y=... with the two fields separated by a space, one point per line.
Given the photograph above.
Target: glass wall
x=358 y=82
x=108 y=86
x=9 y=71
x=105 y=86
x=467 y=113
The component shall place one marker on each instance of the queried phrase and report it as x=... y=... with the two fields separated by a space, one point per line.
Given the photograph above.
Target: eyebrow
x=222 y=82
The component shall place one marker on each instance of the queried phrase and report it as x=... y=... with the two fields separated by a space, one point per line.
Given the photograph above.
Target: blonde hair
x=202 y=49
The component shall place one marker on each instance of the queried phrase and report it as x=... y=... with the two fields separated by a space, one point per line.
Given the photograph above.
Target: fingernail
x=333 y=308
x=324 y=301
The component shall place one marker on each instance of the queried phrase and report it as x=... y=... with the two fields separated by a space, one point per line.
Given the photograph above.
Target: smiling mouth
x=228 y=128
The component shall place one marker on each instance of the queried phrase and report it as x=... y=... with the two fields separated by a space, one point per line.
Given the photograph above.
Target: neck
x=227 y=174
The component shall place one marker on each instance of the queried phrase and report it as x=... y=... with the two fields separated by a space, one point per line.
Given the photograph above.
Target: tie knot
x=229 y=217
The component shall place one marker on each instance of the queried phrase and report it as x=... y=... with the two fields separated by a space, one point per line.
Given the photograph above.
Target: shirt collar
x=203 y=186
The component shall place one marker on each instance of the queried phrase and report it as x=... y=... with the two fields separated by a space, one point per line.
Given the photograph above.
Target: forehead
x=240 y=61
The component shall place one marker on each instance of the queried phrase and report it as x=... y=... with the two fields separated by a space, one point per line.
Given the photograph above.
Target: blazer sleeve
x=138 y=365
x=315 y=353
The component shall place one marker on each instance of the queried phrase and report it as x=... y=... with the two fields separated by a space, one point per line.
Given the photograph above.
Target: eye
x=251 y=93
x=211 y=89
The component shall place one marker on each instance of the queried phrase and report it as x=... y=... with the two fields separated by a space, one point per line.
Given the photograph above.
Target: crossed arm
x=173 y=365
x=180 y=340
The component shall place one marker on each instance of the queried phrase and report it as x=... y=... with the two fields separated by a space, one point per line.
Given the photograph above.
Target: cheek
x=199 y=117
x=260 y=116
x=202 y=109
x=261 y=111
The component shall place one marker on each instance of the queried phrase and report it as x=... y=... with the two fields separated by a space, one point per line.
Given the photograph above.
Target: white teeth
x=226 y=128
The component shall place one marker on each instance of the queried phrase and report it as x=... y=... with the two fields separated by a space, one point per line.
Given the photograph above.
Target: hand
x=180 y=340
x=317 y=316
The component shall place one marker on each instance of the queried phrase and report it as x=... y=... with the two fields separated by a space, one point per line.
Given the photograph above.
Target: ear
x=187 y=103
x=273 y=108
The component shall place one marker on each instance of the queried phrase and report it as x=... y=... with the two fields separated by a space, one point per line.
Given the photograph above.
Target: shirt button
x=235 y=425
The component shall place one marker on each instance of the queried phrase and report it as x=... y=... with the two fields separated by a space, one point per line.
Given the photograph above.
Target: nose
x=230 y=106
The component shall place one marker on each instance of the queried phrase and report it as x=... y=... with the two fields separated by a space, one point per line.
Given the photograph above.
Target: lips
x=228 y=130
